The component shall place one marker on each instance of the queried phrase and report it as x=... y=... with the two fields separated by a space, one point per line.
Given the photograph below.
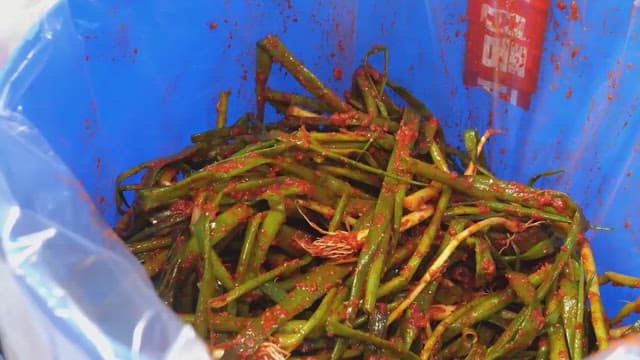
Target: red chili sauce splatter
x=337 y=73
x=574 y=10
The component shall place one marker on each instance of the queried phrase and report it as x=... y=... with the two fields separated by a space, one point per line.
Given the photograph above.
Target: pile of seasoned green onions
x=350 y=229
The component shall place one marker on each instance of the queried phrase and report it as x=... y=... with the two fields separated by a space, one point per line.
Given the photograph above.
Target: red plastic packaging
x=504 y=47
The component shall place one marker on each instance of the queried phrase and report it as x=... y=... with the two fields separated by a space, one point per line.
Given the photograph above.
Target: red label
x=504 y=47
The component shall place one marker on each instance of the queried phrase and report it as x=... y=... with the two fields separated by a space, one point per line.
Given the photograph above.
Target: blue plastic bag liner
x=99 y=86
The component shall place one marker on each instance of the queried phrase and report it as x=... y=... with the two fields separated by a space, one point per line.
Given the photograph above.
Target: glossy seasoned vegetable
x=340 y=230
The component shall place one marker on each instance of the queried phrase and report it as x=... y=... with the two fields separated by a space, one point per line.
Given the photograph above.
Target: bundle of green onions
x=350 y=229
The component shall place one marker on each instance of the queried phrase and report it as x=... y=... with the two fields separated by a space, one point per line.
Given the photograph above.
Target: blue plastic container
x=99 y=86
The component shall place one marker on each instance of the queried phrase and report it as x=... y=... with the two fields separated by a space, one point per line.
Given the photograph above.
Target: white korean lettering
x=503 y=22
x=504 y=55
x=504 y=92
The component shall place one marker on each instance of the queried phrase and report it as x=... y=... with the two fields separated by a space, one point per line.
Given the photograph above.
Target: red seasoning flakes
x=569 y=93
x=574 y=10
x=337 y=73
x=574 y=52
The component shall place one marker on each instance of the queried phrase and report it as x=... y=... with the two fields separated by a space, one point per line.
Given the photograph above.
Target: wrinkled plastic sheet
x=68 y=281
x=99 y=86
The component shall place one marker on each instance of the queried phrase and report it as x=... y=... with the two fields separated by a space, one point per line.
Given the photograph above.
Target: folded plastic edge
x=73 y=279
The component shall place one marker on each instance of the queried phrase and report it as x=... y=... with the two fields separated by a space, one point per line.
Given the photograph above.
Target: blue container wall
x=114 y=83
